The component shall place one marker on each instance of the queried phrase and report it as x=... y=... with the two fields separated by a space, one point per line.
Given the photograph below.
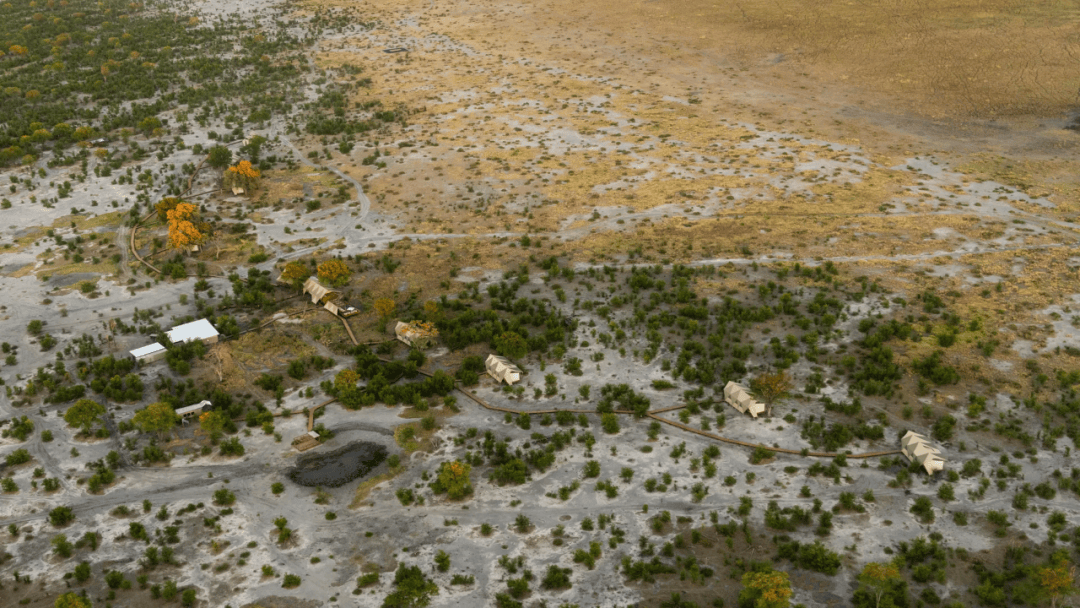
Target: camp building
x=200 y=330
x=738 y=398
x=320 y=294
x=918 y=450
x=502 y=370
x=149 y=353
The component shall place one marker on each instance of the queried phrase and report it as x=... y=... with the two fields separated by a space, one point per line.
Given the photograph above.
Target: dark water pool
x=339 y=467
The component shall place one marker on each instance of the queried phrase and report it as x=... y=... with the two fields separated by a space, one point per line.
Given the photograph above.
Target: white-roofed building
x=200 y=330
x=192 y=410
x=738 y=398
x=148 y=353
x=502 y=370
x=918 y=450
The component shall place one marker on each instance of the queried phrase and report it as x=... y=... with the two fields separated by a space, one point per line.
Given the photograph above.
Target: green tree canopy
x=156 y=418
x=84 y=414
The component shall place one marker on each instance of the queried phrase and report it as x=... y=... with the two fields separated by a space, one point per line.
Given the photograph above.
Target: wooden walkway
x=654 y=414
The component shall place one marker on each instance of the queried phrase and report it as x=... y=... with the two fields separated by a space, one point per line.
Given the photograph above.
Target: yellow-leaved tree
x=334 y=272
x=878 y=579
x=296 y=273
x=1057 y=581
x=70 y=600
x=384 y=307
x=242 y=175
x=766 y=589
x=182 y=230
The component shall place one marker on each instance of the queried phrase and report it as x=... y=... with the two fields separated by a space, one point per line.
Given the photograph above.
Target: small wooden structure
x=305 y=442
x=738 y=398
x=502 y=370
x=918 y=450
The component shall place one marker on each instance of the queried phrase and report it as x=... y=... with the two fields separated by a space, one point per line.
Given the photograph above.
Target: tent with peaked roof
x=917 y=449
x=317 y=292
x=738 y=398
x=502 y=370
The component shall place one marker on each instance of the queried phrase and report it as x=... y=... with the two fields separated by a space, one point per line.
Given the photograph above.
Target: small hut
x=918 y=450
x=738 y=398
x=502 y=370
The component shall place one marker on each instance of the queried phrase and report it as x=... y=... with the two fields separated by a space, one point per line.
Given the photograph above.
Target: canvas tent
x=738 y=398
x=918 y=450
x=148 y=353
x=414 y=334
x=317 y=292
x=502 y=370
x=200 y=330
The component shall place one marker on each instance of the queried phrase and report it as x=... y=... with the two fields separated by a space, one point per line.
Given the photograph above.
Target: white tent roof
x=189 y=332
x=149 y=349
x=192 y=408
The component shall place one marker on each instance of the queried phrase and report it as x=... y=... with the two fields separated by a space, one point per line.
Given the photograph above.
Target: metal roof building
x=192 y=410
x=148 y=353
x=200 y=330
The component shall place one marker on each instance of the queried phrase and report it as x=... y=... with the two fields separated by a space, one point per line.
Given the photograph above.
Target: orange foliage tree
x=182 y=230
x=165 y=205
x=334 y=272
x=242 y=175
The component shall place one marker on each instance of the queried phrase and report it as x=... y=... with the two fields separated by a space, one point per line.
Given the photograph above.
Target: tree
x=213 y=423
x=296 y=273
x=878 y=579
x=511 y=344
x=182 y=231
x=219 y=157
x=156 y=418
x=1057 y=580
x=334 y=272
x=70 y=600
x=165 y=205
x=454 y=480
x=414 y=590
x=242 y=175
x=384 y=307
x=84 y=414
x=770 y=387
x=765 y=590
